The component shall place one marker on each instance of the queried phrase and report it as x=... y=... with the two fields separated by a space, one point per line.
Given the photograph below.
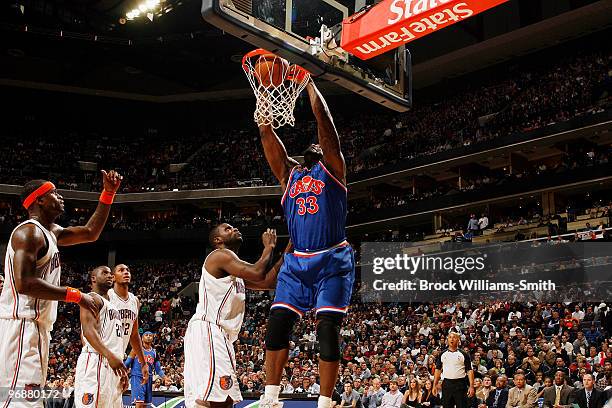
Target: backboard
x=295 y=30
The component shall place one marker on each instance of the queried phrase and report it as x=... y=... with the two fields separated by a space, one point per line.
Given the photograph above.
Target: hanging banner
x=392 y=23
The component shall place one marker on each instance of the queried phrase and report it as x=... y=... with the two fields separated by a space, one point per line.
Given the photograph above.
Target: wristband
x=106 y=197
x=73 y=295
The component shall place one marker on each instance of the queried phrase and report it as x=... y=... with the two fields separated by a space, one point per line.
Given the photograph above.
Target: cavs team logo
x=87 y=399
x=226 y=382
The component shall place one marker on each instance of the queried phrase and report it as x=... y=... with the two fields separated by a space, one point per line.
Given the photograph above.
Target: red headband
x=39 y=192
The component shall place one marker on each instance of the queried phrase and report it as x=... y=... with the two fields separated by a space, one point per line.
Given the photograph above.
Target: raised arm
x=269 y=282
x=90 y=325
x=91 y=231
x=28 y=240
x=276 y=154
x=225 y=262
x=328 y=135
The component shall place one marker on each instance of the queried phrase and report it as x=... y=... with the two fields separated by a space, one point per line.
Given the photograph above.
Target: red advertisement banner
x=392 y=23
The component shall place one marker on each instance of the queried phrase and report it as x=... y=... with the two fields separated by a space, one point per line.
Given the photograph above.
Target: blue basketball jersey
x=315 y=208
x=152 y=360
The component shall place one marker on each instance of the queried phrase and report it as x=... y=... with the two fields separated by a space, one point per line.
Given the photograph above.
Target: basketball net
x=275 y=102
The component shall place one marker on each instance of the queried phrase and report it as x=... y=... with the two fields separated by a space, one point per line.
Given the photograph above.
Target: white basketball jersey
x=128 y=312
x=18 y=306
x=221 y=302
x=110 y=330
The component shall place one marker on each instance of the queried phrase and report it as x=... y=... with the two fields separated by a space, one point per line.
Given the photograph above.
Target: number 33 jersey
x=315 y=207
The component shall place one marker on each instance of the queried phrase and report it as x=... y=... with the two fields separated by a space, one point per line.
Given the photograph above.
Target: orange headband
x=40 y=191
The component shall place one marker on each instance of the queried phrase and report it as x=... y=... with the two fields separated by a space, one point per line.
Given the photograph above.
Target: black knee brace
x=328 y=333
x=280 y=327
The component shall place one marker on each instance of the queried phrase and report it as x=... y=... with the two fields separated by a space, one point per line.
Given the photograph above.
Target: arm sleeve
x=158 y=368
x=467 y=362
x=129 y=362
x=439 y=361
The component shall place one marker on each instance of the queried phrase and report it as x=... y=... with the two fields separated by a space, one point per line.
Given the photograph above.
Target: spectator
x=589 y=396
x=499 y=397
x=413 y=395
x=350 y=397
x=286 y=387
x=307 y=387
x=483 y=222
x=548 y=382
x=168 y=385
x=315 y=388
x=392 y=398
x=560 y=366
x=483 y=393
x=372 y=398
x=578 y=313
x=472 y=227
x=560 y=394
x=429 y=399
x=521 y=395
x=581 y=345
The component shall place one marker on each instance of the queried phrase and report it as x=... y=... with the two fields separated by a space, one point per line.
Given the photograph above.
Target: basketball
x=271 y=70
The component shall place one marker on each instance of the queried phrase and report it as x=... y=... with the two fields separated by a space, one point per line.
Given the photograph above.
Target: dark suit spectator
x=560 y=395
x=605 y=317
x=589 y=396
x=498 y=398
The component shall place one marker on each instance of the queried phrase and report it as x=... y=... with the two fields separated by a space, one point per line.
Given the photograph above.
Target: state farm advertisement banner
x=392 y=23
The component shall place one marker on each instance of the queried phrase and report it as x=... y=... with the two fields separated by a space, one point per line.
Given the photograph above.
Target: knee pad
x=328 y=333
x=280 y=327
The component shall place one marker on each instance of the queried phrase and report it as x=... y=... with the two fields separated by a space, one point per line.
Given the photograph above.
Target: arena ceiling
x=81 y=46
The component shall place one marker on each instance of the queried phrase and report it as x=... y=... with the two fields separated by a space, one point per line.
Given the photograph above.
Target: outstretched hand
x=111 y=180
x=268 y=238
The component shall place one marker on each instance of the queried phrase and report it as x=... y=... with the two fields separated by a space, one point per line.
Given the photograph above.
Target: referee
x=457 y=369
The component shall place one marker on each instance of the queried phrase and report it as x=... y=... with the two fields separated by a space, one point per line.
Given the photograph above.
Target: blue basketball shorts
x=321 y=280
x=141 y=392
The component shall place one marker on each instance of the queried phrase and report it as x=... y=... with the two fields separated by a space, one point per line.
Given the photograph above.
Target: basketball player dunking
x=128 y=305
x=210 y=368
x=320 y=272
x=28 y=302
x=100 y=374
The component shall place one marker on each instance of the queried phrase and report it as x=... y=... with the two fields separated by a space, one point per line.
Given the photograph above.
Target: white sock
x=324 y=402
x=272 y=391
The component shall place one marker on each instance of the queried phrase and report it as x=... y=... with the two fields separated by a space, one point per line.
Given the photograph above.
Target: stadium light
x=146 y=8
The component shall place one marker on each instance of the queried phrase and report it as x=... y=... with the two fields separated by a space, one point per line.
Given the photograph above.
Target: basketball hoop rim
x=259 y=52
x=254 y=53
